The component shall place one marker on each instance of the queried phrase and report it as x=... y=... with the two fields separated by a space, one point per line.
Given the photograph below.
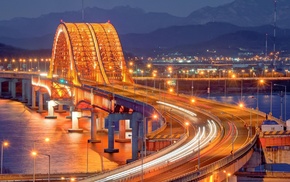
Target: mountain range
x=139 y=30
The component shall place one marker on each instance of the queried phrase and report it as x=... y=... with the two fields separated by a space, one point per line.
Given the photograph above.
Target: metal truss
x=88 y=52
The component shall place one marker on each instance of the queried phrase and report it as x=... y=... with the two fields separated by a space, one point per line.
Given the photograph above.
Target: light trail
x=184 y=151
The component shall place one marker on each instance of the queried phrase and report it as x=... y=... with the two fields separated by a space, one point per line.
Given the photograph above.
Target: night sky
x=34 y=8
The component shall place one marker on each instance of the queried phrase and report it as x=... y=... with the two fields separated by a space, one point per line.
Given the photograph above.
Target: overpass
x=88 y=72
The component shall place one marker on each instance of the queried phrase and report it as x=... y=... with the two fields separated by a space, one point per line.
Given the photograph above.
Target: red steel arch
x=88 y=53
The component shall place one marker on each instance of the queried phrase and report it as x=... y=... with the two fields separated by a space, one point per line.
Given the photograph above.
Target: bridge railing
x=209 y=169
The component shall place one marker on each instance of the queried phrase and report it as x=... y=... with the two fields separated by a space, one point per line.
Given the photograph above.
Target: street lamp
x=250 y=129
x=232 y=132
x=259 y=82
x=34 y=154
x=271 y=98
x=284 y=99
x=144 y=141
x=192 y=88
x=4 y=144
x=154 y=75
x=170 y=126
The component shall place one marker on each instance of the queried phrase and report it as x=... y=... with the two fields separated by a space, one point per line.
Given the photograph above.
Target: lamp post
x=154 y=75
x=88 y=156
x=48 y=165
x=250 y=129
x=271 y=98
x=242 y=88
x=259 y=82
x=144 y=142
x=34 y=154
x=285 y=87
x=4 y=144
x=191 y=88
x=170 y=126
x=232 y=132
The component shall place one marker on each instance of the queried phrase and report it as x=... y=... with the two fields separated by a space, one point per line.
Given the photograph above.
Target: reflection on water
x=24 y=128
x=264 y=102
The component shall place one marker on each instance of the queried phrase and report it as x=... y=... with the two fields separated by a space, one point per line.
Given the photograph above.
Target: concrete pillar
x=92 y=96
x=111 y=148
x=101 y=122
x=12 y=87
x=33 y=95
x=9 y=87
x=24 y=85
x=29 y=92
x=122 y=132
x=135 y=122
x=60 y=109
x=75 y=122
x=93 y=128
x=40 y=102
x=71 y=109
x=50 y=114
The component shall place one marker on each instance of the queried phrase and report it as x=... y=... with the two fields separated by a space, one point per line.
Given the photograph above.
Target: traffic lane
x=207 y=156
x=224 y=146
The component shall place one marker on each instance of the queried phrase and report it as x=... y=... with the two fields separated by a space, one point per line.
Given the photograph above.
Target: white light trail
x=192 y=146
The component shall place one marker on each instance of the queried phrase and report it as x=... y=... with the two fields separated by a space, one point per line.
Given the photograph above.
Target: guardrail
x=207 y=170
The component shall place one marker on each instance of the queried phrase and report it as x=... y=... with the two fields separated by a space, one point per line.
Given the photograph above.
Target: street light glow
x=34 y=153
x=47 y=139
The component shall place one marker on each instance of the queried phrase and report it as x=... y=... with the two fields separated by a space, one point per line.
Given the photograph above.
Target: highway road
x=233 y=130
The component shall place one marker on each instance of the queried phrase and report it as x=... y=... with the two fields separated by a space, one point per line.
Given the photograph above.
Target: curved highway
x=209 y=141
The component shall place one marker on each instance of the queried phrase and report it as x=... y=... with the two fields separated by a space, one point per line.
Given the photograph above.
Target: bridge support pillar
x=93 y=128
x=12 y=88
x=50 y=105
x=135 y=123
x=75 y=122
x=24 y=90
x=111 y=126
x=40 y=102
x=71 y=109
x=101 y=122
x=60 y=109
x=33 y=95
x=122 y=132
x=29 y=92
